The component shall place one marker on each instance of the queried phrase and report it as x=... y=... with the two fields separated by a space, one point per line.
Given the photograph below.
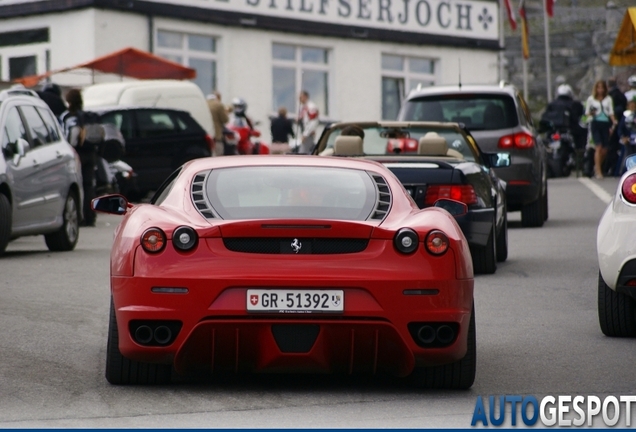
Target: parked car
x=433 y=161
x=40 y=175
x=172 y=94
x=616 y=248
x=299 y=264
x=158 y=140
x=499 y=120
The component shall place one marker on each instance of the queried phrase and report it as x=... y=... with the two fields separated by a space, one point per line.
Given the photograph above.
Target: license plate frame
x=294 y=300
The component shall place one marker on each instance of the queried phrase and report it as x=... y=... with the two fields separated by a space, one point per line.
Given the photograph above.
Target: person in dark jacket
x=612 y=162
x=281 y=128
x=51 y=94
x=565 y=112
x=627 y=137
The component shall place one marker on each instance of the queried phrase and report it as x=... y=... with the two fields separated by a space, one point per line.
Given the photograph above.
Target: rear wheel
x=66 y=237
x=120 y=370
x=5 y=222
x=545 y=203
x=485 y=257
x=455 y=376
x=502 y=241
x=532 y=215
x=615 y=311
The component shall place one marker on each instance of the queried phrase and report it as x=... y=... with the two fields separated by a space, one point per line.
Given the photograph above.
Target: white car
x=616 y=247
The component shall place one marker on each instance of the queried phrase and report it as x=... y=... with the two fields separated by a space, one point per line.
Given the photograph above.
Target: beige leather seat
x=432 y=144
x=348 y=146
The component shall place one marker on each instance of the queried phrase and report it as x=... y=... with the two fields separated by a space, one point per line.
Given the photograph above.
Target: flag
x=512 y=19
x=525 y=46
x=549 y=7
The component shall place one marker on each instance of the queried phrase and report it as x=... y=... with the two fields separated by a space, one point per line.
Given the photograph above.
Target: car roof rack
x=17 y=90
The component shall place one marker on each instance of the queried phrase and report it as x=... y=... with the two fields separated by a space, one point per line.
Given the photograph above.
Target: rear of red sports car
x=285 y=264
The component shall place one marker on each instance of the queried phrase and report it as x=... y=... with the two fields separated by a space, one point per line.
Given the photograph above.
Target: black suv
x=158 y=140
x=499 y=119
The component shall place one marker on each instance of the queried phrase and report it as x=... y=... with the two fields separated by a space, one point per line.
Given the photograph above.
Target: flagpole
x=548 y=68
x=501 y=39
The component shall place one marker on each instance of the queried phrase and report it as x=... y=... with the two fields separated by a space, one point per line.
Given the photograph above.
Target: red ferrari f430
x=289 y=264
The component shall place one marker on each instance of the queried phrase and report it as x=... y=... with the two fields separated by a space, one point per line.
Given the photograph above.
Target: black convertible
x=433 y=161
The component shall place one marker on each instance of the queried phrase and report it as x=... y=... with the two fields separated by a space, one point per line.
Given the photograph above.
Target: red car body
x=386 y=292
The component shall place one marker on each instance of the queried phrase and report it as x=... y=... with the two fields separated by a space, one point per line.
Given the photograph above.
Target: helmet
x=632 y=81
x=240 y=106
x=565 y=90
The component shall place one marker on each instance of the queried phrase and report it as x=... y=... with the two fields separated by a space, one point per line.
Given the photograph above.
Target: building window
x=297 y=68
x=22 y=66
x=196 y=51
x=400 y=75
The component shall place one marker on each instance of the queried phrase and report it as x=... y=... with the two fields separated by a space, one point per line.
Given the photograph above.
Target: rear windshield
x=476 y=111
x=275 y=192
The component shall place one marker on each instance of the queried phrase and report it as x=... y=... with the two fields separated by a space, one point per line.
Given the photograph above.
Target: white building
x=356 y=58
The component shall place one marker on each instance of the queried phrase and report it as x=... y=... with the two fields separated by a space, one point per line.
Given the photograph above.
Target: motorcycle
x=247 y=138
x=560 y=150
x=112 y=174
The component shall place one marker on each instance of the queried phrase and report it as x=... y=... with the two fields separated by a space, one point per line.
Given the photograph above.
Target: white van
x=183 y=95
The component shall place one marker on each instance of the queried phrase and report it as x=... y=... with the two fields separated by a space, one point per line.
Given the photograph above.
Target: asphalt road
x=537 y=334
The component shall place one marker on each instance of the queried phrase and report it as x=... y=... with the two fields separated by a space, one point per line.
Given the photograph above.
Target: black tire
x=5 y=222
x=616 y=311
x=532 y=215
x=554 y=168
x=66 y=237
x=455 y=376
x=502 y=240
x=485 y=257
x=120 y=370
x=545 y=204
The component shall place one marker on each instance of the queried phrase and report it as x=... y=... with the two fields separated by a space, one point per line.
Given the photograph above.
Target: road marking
x=596 y=190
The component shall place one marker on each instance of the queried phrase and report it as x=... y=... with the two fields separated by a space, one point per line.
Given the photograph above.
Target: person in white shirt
x=308 y=117
x=600 y=108
x=631 y=93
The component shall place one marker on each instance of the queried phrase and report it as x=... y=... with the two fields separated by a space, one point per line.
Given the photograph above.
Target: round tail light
x=185 y=238
x=406 y=240
x=153 y=240
x=436 y=242
x=629 y=189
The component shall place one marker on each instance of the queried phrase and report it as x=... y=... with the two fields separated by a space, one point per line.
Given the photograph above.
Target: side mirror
x=456 y=208
x=498 y=160
x=112 y=204
x=630 y=162
x=545 y=125
x=19 y=149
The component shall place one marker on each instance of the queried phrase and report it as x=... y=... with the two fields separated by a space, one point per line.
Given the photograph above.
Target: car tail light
x=521 y=140
x=153 y=240
x=406 y=240
x=210 y=142
x=185 y=238
x=436 y=242
x=629 y=189
x=462 y=193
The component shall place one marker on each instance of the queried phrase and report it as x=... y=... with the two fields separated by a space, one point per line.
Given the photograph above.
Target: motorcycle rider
x=239 y=116
x=565 y=112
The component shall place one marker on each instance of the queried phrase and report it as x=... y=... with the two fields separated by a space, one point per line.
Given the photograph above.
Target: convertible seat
x=432 y=144
x=348 y=146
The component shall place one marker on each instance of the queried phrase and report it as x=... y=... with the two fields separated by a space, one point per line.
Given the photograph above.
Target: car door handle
x=35 y=164
x=59 y=155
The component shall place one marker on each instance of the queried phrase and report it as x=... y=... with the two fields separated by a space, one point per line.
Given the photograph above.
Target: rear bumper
x=523 y=182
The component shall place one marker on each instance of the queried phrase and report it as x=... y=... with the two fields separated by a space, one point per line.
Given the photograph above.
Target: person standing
x=600 y=108
x=51 y=94
x=308 y=117
x=627 y=135
x=281 y=129
x=73 y=123
x=631 y=93
x=219 y=119
x=620 y=103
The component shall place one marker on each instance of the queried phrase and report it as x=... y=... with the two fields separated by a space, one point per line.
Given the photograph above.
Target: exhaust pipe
x=426 y=334
x=445 y=334
x=143 y=334
x=163 y=335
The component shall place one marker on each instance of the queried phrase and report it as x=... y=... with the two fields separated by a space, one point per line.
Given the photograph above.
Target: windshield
x=269 y=192
x=475 y=111
x=402 y=141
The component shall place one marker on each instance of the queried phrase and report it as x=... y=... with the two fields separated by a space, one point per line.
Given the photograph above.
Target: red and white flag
x=512 y=19
x=549 y=7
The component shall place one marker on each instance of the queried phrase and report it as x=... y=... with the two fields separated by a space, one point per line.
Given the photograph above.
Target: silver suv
x=40 y=174
x=499 y=119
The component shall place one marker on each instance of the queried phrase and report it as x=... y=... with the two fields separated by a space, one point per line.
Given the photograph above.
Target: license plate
x=295 y=301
